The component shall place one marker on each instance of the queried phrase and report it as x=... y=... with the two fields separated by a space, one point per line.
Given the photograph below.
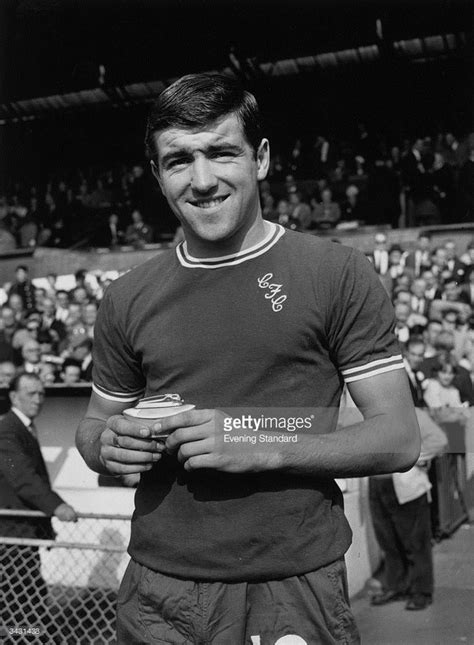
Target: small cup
x=149 y=416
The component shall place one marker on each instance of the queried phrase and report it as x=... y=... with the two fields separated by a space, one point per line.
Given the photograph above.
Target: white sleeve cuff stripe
x=367 y=366
x=381 y=370
x=116 y=396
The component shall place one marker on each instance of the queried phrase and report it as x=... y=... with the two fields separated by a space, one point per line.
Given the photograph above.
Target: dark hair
x=196 y=100
x=15 y=382
x=22 y=267
x=70 y=362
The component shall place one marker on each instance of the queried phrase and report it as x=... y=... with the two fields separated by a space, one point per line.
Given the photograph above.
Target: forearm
x=88 y=443
x=382 y=444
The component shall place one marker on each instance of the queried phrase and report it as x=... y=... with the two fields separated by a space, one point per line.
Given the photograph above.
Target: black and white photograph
x=236 y=322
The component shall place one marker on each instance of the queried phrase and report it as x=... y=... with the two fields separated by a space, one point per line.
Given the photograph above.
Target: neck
x=242 y=239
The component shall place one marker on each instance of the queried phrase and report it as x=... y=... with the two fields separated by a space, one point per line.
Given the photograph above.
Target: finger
x=130 y=443
x=184 y=419
x=194 y=448
x=122 y=426
x=188 y=435
x=115 y=468
x=122 y=455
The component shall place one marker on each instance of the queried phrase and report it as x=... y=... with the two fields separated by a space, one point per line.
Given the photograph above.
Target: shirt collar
x=26 y=421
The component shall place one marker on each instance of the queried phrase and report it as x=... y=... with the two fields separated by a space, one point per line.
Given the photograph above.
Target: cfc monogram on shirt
x=273 y=291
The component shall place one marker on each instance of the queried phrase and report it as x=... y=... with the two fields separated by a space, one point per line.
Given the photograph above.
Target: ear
x=156 y=174
x=263 y=159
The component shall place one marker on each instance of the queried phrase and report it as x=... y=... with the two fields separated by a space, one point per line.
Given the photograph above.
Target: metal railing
x=61 y=591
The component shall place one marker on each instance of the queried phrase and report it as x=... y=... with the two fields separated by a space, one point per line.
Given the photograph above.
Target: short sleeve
x=361 y=325
x=116 y=372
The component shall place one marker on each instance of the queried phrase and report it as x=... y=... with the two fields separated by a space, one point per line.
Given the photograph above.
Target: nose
x=203 y=178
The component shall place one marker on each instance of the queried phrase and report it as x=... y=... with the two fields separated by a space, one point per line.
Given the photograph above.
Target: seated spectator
x=379 y=256
x=31 y=357
x=89 y=317
x=396 y=264
x=71 y=372
x=62 y=305
x=351 y=208
x=29 y=331
x=402 y=314
x=326 y=214
x=7 y=239
x=284 y=211
x=7 y=373
x=111 y=234
x=430 y=336
x=439 y=390
x=82 y=352
x=47 y=373
x=444 y=346
x=300 y=212
x=49 y=320
x=15 y=302
x=433 y=291
x=8 y=325
x=419 y=303
x=419 y=260
x=453 y=263
x=138 y=233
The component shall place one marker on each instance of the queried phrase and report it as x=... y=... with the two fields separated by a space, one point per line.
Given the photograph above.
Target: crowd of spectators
x=432 y=290
x=328 y=185
x=311 y=185
x=49 y=331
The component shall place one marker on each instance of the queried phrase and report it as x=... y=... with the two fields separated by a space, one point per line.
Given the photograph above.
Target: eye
x=222 y=154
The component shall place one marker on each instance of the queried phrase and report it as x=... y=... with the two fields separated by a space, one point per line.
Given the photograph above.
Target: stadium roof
x=69 y=54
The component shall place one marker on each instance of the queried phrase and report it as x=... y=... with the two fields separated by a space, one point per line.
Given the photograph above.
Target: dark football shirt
x=281 y=324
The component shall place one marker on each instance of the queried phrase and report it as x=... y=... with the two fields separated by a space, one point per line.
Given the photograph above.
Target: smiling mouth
x=208 y=203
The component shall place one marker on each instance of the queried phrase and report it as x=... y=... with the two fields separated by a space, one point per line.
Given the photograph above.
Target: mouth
x=206 y=204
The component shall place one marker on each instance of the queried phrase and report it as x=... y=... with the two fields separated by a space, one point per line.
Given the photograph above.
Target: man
x=419 y=259
x=445 y=352
x=23 y=287
x=71 y=372
x=400 y=507
x=380 y=254
x=244 y=314
x=25 y=485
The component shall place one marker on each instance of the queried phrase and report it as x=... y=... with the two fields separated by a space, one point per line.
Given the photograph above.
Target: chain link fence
x=62 y=591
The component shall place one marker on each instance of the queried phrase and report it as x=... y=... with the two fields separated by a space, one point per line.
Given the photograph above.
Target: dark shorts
x=311 y=609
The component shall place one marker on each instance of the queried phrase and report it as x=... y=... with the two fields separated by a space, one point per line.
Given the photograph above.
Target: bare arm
x=387 y=440
x=110 y=444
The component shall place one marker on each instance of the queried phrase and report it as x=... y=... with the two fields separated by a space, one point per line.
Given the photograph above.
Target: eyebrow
x=183 y=152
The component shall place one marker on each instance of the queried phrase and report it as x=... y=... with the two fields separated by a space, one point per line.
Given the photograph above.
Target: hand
x=127 y=447
x=197 y=439
x=65 y=513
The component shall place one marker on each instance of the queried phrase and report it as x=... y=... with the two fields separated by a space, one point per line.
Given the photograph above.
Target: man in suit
x=25 y=486
x=400 y=508
x=419 y=259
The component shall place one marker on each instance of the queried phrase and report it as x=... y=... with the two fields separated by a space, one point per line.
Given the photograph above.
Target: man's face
x=21 y=275
x=451 y=291
x=440 y=258
x=423 y=243
x=449 y=321
x=429 y=278
x=7 y=372
x=210 y=179
x=29 y=397
x=89 y=314
x=31 y=351
x=450 y=248
x=8 y=317
x=414 y=355
x=432 y=332
x=71 y=374
x=418 y=288
x=402 y=313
